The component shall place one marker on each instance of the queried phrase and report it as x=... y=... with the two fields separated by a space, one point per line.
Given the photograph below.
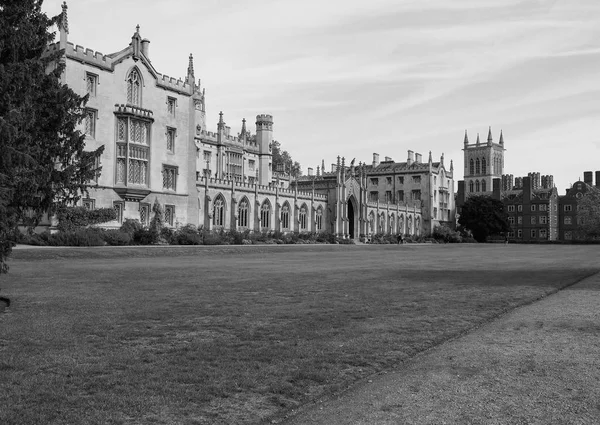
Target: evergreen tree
x=484 y=216
x=43 y=164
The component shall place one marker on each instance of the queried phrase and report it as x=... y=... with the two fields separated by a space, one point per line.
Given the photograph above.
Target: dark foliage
x=71 y=218
x=43 y=164
x=484 y=216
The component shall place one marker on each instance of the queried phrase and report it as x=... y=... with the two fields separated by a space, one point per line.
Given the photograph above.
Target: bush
x=72 y=218
x=186 y=235
x=115 y=237
x=79 y=237
x=446 y=234
x=131 y=226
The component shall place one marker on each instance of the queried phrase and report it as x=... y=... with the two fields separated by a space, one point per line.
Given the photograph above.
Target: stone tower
x=264 y=139
x=483 y=163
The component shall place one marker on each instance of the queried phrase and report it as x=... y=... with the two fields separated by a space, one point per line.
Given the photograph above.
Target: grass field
x=242 y=335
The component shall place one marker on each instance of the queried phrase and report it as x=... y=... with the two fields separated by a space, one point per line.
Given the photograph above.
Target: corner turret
x=466 y=139
x=264 y=139
x=501 y=139
x=489 y=138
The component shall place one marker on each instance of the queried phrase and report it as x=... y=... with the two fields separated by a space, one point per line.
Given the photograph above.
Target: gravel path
x=539 y=364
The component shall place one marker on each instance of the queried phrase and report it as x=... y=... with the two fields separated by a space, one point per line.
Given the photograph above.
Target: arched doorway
x=352 y=217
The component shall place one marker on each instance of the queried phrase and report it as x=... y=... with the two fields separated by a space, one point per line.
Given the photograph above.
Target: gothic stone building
x=157 y=146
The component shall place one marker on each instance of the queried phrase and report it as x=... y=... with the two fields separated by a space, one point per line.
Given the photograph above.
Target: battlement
x=212 y=137
x=134 y=110
x=264 y=118
x=263 y=190
x=174 y=83
x=86 y=55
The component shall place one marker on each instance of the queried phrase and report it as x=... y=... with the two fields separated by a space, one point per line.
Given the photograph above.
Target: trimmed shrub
x=186 y=235
x=115 y=237
x=72 y=218
x=79 y=237
x=131 y=226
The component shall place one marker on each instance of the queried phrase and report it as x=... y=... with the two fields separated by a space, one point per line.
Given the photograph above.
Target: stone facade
x=157 y=147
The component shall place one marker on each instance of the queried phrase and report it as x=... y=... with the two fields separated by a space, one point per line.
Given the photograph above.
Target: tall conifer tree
x=43 y=163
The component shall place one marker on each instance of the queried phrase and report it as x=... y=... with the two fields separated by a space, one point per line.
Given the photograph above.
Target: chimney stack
x=411 y=158
x=388 y=159
x=310 y=171
x=587 y=177
x=146 y=48
x=598 y=179
x=418 y=158
x=375 y=159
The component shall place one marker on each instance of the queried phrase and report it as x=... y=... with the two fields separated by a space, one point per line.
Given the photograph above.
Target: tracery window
x=171 y=139
x=471 y=186
x=169 y=214
x=285 y=217
x=265 y=216
x=476 y=185
x=243 y=213
x=483 y=185
x=471 y=167
x=319 y=218
x=144 y=214
x=132 y=151
x=134 y=88
x=477 y=166
x=483 y=166
x=302 y=217
x=219 y=211
x=169 y=177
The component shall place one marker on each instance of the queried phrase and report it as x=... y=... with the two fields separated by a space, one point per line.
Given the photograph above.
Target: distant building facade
x=569 y=220
x=531 y=202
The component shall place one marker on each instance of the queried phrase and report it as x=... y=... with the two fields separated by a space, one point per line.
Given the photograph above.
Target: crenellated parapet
x=264 y=122
x=224 y=184
x=136 y=111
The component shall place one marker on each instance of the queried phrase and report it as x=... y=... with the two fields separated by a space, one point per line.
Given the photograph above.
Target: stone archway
x=352 y=215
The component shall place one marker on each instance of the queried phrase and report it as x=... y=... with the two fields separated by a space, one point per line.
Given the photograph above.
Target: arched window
x=392 y=222
x=476 y=185
x=265 y=216
x=243 y=213
x=382 y=223
x=483 y=186
x=471 y=186
x=285 y=217
x=471 y=167
x=134 y=88
x=302 y=217
x=483 y=166
x=371 y=222
x=418 y=226
x=409 y=225
x=401 y=224
x=319 y=218
x=477 y=166
x=219 y=211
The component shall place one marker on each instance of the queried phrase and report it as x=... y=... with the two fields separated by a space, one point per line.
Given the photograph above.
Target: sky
x=355 y=77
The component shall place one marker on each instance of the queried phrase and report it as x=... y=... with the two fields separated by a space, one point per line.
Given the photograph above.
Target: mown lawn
x=240 y=335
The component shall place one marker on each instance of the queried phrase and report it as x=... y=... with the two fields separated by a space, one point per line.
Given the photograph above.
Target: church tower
x=483 y=163
x=264 y=139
